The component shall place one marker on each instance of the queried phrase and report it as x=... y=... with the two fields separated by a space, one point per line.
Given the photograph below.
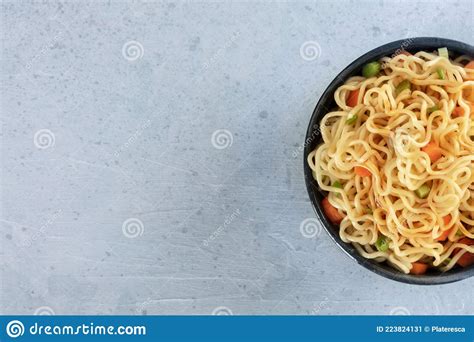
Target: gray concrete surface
x=150 y=156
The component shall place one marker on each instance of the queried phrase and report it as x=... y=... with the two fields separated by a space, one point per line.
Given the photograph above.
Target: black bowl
x=313 y=139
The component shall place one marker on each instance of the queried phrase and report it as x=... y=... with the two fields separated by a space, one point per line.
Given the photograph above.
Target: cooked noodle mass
x=397 y=161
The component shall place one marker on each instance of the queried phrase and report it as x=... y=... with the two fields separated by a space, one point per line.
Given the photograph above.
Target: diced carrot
x=459 y=111
x=353 y=97
x=447 y=219
x=362 y=171
x=332 y=213
x=418 y=268
x=470 y=65
x=433 y=151
x=467 y=258
x=406 y=53
x=445 y=234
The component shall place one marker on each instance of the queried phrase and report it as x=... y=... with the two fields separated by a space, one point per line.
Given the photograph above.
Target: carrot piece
x=445 y=234
x=362 y=171
x=469 y=65
x=406 y=53
x=418 y=268
x=467 y=258
x=459 y=111
x=433 y=151
x=331 y=212
x=353 y=97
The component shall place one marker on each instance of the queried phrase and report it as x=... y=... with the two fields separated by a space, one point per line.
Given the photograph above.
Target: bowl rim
x=313 y=137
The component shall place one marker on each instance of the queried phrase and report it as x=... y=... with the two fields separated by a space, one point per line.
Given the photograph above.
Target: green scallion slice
x=423 y=191
x=443 y=52
x=440 y=73
x=351 y=119
x=403 y=85
x=382 y=244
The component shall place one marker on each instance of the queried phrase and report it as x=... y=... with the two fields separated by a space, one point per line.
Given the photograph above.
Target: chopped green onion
x=403 y=85
x=371 y=69
x=440 y=73
x=370 y=211
x=423 y=191
x=459 y=232
x=446 y=261
x=433 y=109
x=337 y=184
x=382 y=244
x=351 y=119
x=443 y=52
